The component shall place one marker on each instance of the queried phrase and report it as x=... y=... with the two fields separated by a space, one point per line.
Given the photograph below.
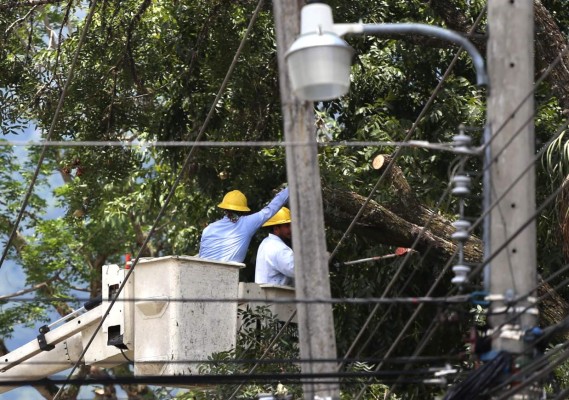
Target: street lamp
x=319 y=60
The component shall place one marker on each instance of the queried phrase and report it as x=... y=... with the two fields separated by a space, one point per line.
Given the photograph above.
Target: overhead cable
x=538 y=82
x=262 y=360
x=283 y=377
x=143 y=144
x=393 y=279
x=408 y=136
x=172 y=189
x=54 y=121
x=313 y=300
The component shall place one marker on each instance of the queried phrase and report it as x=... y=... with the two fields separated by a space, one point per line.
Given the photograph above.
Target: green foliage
x=373 y=391
x=560 y=376
x=258 y=329
x=149 y=71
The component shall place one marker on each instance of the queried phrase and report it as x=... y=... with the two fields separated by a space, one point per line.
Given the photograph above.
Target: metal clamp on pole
x=511 y=304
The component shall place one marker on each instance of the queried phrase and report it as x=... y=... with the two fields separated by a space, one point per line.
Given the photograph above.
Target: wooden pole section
x=315 y=321
x=512 y=272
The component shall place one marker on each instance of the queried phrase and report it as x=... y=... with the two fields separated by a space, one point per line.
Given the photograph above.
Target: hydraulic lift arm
x=33 y=360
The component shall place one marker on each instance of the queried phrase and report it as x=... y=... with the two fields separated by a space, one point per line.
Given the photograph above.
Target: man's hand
x=279 y=188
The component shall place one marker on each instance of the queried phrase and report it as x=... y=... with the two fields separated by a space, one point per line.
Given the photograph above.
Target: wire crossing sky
x=406 y=374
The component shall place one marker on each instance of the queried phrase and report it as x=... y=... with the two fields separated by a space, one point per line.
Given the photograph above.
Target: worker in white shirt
x=275 y=262
x=228 y=239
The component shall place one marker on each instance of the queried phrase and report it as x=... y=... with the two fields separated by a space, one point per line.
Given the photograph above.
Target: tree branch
x=19 y=241
x=399 y=224
x=549 y=44
x=384 y=226
x=23 y=291
x=29 y=3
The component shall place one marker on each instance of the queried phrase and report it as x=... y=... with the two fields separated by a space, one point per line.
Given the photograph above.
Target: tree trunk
x=400 y=223
x=549 y=44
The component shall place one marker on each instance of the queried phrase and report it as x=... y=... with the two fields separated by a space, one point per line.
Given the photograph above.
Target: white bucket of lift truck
x=173 y=336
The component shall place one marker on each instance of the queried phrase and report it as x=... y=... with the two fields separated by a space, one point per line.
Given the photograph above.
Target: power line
x=172 y=189
x=268 y=361
x=397 y=153
x=424 y=229
x=313 y=300
x=409 y=323
x=50 y=132
x=156 y=144
x=169 y=380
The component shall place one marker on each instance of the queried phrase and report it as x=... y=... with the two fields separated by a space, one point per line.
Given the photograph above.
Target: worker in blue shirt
x=229 y=238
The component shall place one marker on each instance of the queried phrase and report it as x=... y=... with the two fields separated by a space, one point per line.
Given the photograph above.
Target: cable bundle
x=480 y=379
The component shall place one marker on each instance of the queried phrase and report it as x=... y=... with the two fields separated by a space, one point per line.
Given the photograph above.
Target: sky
x=12 y=278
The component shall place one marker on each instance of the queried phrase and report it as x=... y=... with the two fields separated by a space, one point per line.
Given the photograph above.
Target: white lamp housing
x=319 y=60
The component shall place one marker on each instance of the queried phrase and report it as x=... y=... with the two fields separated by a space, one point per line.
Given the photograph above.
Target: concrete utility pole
x=315 y=321
x=510 y=108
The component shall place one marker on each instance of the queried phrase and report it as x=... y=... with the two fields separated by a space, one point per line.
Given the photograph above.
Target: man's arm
x=271 y=209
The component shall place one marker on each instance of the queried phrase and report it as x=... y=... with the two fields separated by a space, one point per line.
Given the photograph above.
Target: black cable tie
x=42 y=342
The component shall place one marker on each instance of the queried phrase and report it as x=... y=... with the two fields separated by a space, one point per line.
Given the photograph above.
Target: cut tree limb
x=401 y=222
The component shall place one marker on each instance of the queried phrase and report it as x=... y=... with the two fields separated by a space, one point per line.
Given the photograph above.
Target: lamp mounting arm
x=346 y=29
x=435 y=31
x=319 y=59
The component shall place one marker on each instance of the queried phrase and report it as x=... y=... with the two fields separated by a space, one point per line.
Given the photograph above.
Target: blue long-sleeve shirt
x=225 y=240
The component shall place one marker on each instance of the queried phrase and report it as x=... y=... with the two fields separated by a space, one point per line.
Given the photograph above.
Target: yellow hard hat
x=234 y=200
x=281 y=217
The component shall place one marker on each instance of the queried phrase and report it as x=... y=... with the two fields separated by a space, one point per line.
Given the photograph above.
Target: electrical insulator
x=461 y=185
x=461 y=139
x=461 y=143
x=460 y=274
x=462 y=234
